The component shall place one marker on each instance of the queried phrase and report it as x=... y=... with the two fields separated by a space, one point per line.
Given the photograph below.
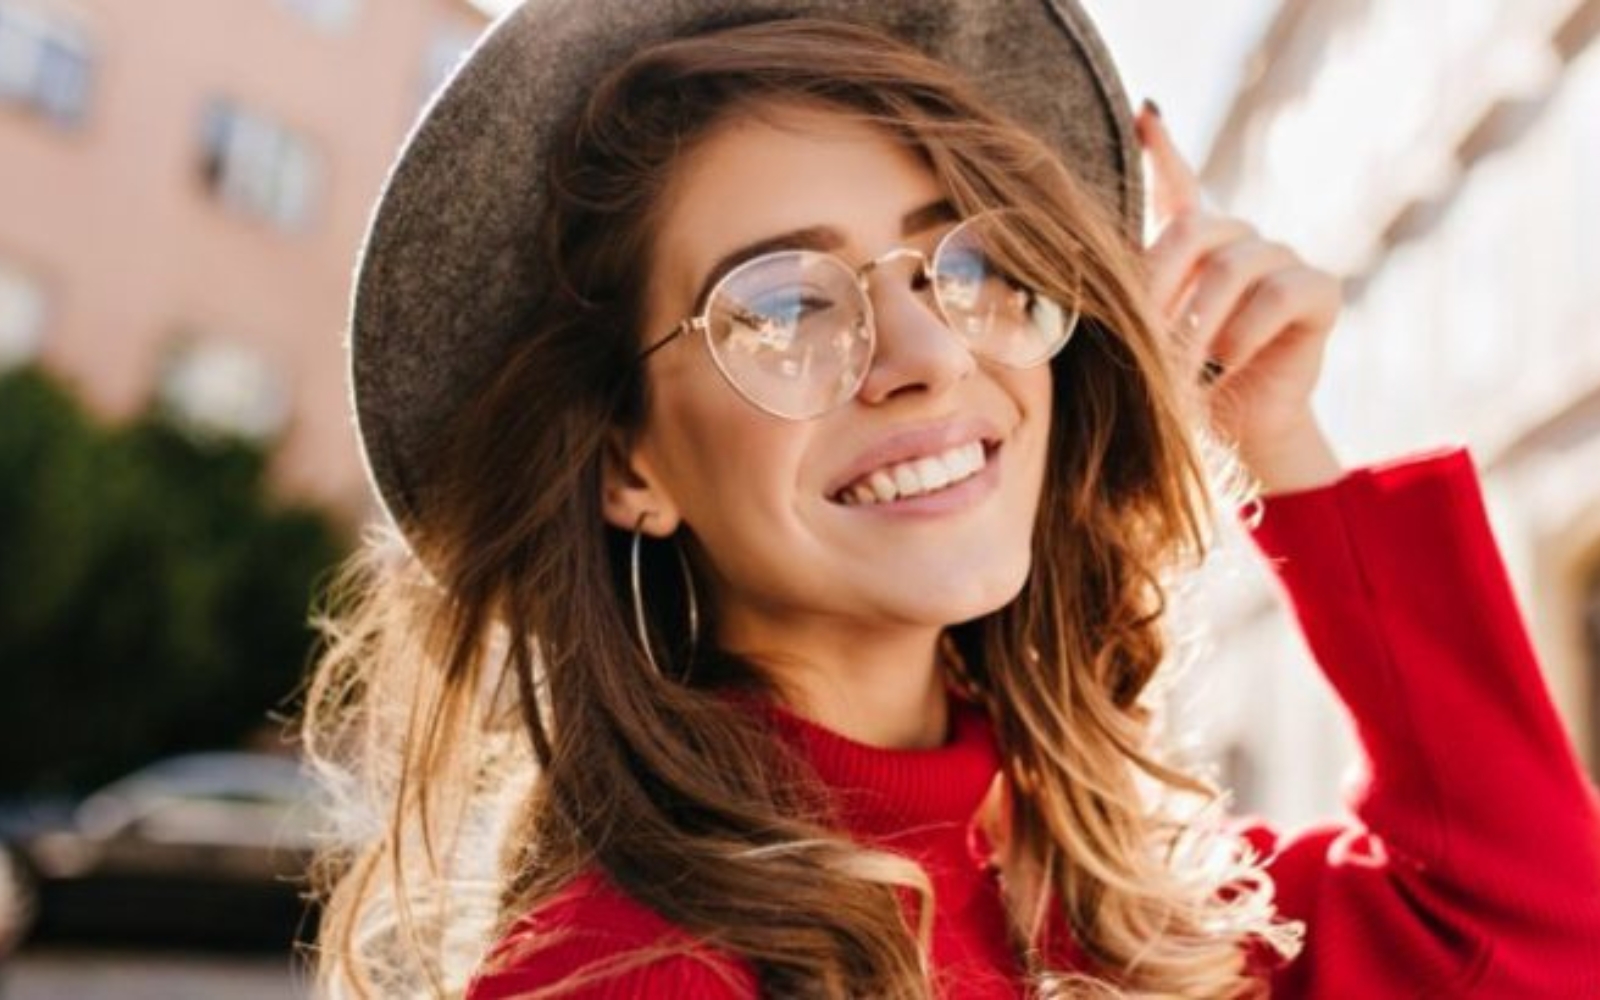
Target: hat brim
x=448 y=263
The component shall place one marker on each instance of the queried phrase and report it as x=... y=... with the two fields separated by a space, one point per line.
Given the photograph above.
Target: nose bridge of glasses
x=946 y=351
x=923 y=271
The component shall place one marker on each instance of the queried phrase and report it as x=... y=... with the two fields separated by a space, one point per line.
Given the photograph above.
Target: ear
x=630 y=490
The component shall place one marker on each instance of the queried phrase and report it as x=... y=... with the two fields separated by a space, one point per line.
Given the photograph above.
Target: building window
x=331 y=16
x=219 y=388
x=22 y=316
x=45 y=64
x=259 y=167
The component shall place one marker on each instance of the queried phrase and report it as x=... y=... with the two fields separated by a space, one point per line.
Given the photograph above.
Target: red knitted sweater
x=1470 y=866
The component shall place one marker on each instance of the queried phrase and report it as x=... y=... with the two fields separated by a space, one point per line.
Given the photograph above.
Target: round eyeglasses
x=792 y=331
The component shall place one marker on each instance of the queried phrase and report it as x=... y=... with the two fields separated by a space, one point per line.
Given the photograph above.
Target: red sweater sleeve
x=1473 y=869
x=593 y=941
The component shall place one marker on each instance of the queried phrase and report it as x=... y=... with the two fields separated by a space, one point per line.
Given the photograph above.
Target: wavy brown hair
x=484 y=696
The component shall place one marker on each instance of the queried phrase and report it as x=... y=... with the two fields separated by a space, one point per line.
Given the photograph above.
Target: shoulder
x=592 y=942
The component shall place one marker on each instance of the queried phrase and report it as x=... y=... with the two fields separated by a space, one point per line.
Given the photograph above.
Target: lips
x=916 y=463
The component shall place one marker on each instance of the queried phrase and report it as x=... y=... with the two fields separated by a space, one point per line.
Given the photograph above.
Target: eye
x=777 y=321
x=789 y=306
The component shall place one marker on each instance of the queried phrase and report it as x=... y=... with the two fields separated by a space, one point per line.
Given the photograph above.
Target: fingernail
x=1151 y=107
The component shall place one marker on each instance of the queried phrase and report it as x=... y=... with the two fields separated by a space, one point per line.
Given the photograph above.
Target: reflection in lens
x=998 y=316
x=789 y=331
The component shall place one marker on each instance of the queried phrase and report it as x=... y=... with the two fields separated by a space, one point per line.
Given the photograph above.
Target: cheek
x=742 y=509
x=1038 y=386
x=733 y=472
x=1034 y=394
x=1033 y=391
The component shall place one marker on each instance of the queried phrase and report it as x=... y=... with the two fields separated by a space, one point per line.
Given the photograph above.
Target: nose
x=916 y=351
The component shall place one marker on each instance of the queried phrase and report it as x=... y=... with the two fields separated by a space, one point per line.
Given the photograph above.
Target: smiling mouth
x=917 y=477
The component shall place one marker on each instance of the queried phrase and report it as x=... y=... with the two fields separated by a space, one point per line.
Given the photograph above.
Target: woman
x=792 y=451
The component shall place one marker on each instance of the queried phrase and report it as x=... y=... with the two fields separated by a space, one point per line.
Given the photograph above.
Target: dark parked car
x=207 y=850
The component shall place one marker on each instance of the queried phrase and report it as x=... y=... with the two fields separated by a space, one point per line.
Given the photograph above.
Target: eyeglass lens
x=792 y=331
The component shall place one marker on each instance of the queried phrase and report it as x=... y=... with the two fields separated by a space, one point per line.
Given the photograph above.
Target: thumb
x=1174 y=188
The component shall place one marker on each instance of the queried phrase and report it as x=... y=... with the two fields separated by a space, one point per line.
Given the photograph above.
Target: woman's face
x=797 y=541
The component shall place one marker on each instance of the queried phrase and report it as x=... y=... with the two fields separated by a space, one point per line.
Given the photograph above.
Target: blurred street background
x=184 y=185
x=78 y=974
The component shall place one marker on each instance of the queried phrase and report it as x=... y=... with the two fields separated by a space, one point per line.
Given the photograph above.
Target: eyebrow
x=822 y=238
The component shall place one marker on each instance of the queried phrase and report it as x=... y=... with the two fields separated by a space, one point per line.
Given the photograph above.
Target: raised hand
x=1250 y=322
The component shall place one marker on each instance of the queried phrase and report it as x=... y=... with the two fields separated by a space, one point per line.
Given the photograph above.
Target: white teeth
x=918 y=476
x=965 y=461
x=905 y=479
x=882 y=486
x=932 y=473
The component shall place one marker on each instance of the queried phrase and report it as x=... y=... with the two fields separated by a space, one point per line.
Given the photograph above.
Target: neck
x=881 y=688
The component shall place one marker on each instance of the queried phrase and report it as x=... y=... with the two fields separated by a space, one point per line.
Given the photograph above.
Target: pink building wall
x=113 y=217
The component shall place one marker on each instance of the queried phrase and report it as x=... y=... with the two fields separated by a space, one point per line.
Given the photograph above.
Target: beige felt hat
x=445 y=269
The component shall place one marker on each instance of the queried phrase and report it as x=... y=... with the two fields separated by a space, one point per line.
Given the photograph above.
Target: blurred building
x=1443 y=156
x=183 y=187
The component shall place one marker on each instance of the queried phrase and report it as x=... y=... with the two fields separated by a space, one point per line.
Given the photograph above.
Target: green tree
x=153 y=597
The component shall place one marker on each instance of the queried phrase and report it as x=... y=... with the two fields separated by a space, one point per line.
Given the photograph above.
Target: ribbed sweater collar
x=886 y=793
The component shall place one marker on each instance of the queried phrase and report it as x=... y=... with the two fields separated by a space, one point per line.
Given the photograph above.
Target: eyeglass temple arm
x=673 y=334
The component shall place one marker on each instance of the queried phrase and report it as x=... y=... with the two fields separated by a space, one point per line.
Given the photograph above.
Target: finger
x=1174 y=188
x=1230 y=274
x=1171 y=261
x=1289 y=304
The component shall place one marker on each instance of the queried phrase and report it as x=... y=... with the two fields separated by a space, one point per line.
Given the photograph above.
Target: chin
x=974 y=598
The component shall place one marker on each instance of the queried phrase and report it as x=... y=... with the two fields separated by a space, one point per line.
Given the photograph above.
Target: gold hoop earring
x=694 y=605
x=635 y=575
